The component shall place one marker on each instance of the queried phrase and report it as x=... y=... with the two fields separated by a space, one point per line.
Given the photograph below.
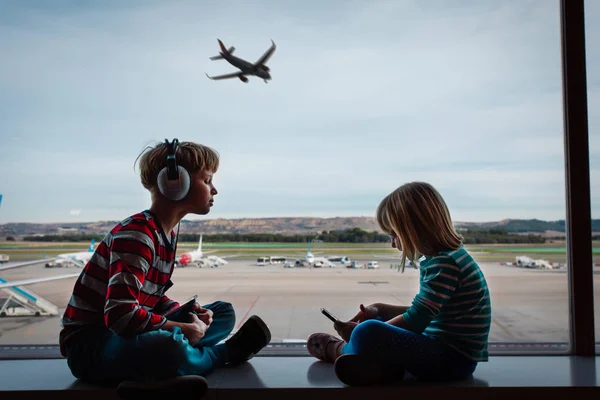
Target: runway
x=527 y=305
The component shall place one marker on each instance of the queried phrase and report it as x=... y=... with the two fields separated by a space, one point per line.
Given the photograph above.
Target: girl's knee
x=366 y=333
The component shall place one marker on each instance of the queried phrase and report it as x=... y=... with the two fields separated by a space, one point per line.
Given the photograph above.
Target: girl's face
x=396 y=242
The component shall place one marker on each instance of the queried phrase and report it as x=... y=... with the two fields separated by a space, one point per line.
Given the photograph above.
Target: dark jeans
x=424 y=357
x=98 y=355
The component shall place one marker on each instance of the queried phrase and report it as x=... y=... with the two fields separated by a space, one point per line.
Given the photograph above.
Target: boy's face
x=202 y=192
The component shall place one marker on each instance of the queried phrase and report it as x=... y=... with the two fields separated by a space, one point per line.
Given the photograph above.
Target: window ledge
x=282 y=376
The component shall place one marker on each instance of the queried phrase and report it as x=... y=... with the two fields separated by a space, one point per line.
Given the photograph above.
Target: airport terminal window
x=362 y=98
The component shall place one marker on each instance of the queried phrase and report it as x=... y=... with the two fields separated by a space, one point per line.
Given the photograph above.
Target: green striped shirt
x=453 y=303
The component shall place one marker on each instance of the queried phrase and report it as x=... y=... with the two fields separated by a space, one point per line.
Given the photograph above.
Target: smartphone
x=179 y=314
x=329 y=315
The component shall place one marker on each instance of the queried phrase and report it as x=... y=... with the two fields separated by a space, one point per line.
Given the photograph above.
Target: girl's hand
x=366 y=313
x=344 y=329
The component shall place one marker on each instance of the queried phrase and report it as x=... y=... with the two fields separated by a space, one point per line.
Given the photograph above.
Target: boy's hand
x=204 y=314
x=344 y=329
x=194 y=330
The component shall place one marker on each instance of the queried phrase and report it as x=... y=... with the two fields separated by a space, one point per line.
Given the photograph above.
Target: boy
x=113 y=327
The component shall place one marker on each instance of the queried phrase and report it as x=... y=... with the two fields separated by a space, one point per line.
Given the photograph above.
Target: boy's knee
x=221 y=307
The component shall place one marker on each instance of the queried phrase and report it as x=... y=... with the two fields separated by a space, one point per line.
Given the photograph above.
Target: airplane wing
x=265 y=57
x=226 y=76
x=26 y=263
x=35 y=280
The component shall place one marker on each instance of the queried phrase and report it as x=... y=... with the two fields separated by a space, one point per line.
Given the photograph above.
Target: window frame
x=577 y=179
x=578 y=214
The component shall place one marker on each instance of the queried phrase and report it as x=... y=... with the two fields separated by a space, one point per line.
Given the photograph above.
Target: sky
x=365 y=96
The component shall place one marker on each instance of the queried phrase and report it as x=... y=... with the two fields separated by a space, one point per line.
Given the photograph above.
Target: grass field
x=551 y=251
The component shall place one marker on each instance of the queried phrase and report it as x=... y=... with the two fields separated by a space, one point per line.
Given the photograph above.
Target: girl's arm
x=400 y=322
x=389 y=311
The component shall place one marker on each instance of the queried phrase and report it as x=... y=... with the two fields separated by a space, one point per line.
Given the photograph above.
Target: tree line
x=354 y=235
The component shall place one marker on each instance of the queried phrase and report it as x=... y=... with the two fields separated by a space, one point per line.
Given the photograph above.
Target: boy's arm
x=439 y=282
x=131 y=255
x=164 y=304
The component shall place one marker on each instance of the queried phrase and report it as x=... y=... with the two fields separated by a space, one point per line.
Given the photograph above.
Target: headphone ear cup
x=174 y=190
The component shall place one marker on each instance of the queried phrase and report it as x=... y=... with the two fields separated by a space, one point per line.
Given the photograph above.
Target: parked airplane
x=312 y=261
x=528 y=262
x=78 y=259
x=258 y=69
x=199 y=258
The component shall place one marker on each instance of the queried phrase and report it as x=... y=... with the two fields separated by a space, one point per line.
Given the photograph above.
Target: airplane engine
x=185 y=259
x=243 y=79
x=266 y=68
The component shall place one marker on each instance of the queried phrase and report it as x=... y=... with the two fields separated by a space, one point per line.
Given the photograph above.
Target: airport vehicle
x=258 y=68
x=20 y=301
x=4 y=258
x=372 y=265
x=339 y=259
x=262 y=261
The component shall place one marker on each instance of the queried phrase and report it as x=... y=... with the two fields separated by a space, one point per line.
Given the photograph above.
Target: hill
x=284 y=226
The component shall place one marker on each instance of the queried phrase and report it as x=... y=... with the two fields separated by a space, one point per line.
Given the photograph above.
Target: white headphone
x=173 y=181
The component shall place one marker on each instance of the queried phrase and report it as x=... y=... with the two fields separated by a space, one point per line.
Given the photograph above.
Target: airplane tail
x=223 y=50
x=91 y=249
x=200 y=244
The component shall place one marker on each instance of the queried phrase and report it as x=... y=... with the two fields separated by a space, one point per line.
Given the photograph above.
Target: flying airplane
x=258 y=69
x=200 y=259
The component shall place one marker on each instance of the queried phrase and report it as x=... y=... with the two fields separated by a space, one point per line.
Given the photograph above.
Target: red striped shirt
x=123 y=285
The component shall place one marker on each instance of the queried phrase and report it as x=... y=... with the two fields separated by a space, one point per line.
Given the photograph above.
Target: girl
x=444 y=333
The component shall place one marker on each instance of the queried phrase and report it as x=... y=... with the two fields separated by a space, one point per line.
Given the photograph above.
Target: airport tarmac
x=527 y=305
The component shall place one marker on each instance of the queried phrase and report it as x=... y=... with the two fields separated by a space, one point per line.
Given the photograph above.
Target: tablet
x=180 y=314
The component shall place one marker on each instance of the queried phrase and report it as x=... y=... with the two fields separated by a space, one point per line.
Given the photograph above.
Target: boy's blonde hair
x=193 y=157
x=417 y=215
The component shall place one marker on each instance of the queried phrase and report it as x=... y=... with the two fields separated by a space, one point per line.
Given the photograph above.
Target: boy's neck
x=167 y=214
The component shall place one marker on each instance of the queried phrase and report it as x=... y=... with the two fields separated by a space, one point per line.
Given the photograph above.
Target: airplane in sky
x=258 y=69
x=199 y=258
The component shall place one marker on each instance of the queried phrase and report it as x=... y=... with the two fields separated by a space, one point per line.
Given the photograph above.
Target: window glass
x=363 y=97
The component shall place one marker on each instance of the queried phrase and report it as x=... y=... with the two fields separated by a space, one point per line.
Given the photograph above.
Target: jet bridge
x=19 y=297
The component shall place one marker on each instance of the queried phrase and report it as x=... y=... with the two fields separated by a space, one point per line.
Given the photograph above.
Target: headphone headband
x=172 y=169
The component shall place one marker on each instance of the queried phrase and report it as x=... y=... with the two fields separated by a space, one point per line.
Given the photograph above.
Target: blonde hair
x=192 y=156
x=417 y=215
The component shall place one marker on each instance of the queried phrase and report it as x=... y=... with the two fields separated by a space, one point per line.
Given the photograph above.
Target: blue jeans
x=424 y=357
x=98 y=355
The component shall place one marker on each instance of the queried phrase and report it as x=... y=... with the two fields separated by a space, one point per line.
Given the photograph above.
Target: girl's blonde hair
x=417 y=215
x=192 y=156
